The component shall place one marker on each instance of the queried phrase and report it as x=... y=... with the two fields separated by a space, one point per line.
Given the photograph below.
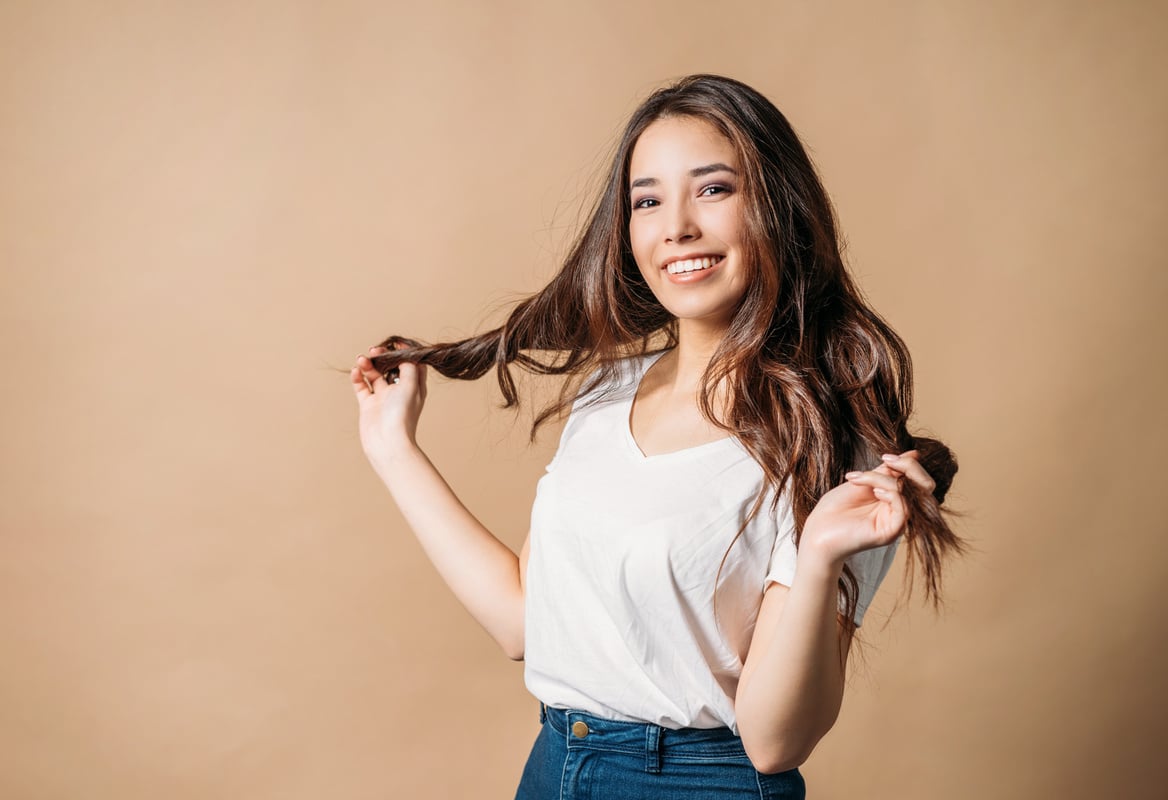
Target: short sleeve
x=782 y=565
x=869 y=566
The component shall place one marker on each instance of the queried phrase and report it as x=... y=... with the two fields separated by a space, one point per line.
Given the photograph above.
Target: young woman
x=732 y=481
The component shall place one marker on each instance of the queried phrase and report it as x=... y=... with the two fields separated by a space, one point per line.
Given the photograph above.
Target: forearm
x=789 y=694
x=482 y=572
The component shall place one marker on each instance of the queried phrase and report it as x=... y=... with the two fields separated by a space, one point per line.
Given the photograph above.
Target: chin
x=711 y=317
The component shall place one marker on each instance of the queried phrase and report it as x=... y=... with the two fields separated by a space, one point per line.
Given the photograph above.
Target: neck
x=696 y=344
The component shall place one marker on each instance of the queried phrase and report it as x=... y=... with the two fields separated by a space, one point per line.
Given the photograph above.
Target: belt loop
x=652 y=748
x=542 y=713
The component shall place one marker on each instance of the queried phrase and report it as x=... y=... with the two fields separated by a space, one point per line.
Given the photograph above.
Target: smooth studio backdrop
x=207 y=209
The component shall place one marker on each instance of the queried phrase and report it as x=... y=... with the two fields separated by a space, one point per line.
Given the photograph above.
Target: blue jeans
x=581 y=757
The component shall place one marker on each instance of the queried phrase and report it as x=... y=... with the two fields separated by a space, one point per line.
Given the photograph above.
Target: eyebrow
x=696 y=172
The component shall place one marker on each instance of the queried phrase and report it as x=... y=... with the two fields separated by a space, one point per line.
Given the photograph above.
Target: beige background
x=206 y=208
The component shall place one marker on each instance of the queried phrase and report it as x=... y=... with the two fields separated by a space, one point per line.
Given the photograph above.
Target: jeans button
x=580 y=729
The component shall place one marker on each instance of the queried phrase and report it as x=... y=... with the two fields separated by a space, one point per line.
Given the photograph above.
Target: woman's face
x=686 y=222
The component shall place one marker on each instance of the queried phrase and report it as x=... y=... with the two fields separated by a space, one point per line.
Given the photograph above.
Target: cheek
x=641 y=247
x=729 y=224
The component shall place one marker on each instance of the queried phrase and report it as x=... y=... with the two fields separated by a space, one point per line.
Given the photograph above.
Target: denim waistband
x=583 y=730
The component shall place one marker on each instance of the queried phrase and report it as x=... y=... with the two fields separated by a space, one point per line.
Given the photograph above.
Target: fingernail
x=852 y=475
x=889 y=457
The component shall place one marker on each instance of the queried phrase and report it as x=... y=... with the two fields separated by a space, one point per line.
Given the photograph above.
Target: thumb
x=411 y=376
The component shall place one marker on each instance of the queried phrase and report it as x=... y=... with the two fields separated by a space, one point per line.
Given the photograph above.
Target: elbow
x=512 y=647
x=780 y=758
x=784 y=743
x=510 y=635
x=771 y=754
x=779 y=763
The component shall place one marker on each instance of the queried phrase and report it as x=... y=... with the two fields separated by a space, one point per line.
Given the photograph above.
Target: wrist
x=815 y=564
x=396 y=454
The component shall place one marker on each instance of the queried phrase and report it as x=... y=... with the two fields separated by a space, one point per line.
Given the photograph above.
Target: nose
x=681 y=226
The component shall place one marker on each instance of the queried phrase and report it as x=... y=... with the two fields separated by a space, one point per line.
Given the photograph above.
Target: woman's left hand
x=865 y=512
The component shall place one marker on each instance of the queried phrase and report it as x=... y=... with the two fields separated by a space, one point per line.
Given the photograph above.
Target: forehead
x=678 y=144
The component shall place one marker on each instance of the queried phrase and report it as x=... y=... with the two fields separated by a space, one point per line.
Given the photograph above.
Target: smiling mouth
x=692 y=264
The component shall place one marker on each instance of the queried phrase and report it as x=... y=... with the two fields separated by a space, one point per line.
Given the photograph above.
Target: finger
x=907 y=464
x=376 y=379
x=901 y=461
x=380 y=350
x=360 y=385
x=409 y=376
x=893 y=524
x=894 y=462
x=875 y=480
x=395 y=376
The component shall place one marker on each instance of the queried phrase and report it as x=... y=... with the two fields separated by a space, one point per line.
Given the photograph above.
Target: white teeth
x=692 y=264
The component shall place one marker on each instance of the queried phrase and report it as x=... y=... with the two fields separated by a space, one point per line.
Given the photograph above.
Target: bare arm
x=792 y=683
x=483 y=573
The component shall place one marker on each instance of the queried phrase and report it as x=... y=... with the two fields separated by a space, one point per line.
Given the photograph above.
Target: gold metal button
x=580 y=729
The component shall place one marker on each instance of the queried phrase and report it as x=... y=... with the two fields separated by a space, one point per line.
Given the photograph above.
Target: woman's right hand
x=388 y=412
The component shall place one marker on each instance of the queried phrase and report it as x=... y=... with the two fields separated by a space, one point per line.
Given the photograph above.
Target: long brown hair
x=820 y=384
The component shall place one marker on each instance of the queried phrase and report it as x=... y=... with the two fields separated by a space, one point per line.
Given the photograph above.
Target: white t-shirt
x=621 y=618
